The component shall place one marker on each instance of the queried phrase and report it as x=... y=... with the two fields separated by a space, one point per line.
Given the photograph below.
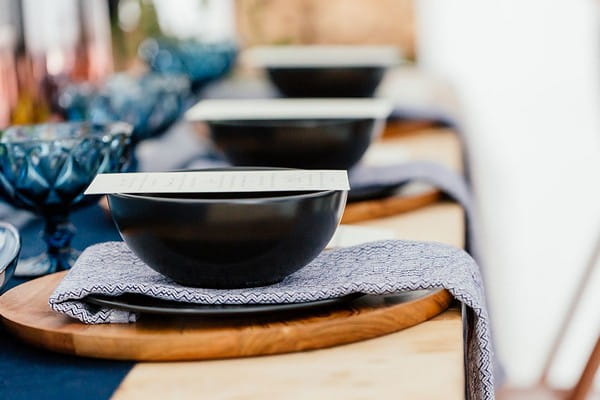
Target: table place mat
x=383 y=267
x=219 y=181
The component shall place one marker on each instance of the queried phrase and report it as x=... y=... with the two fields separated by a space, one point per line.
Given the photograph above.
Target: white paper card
x=278 y=109
x=219 y=181
x=322 y=56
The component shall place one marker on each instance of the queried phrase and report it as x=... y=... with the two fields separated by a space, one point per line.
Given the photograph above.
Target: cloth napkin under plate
x=383 y=267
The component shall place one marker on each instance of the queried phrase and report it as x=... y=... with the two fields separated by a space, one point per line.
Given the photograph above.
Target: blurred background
x=522 y=78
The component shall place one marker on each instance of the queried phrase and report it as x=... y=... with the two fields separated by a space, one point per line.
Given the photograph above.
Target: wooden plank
x=440 y=145
x=422 y=362
x=441 y=222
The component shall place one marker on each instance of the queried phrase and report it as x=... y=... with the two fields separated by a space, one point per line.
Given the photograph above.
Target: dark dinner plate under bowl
x=148 y=305
x=326 y=81
x=228 y=240
x=372 y=193
x=305 y=143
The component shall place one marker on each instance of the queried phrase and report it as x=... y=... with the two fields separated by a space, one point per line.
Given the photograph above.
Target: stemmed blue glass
x=151 y=103
x=46 y=168
x=202 y=62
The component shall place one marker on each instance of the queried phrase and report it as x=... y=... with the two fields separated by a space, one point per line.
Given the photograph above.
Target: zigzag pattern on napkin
x=374 y=268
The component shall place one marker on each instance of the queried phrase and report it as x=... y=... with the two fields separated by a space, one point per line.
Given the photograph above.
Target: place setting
x=213 y=259
x=252 y=247
x=193 y=249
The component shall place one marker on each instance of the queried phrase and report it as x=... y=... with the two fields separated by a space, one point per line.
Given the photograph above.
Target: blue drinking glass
x=150 y=103
x=202 y=62
x=10 y=247
x=46 y=168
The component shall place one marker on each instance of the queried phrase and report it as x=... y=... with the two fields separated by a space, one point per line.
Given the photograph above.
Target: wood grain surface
x=379 y=208
x=423 y=362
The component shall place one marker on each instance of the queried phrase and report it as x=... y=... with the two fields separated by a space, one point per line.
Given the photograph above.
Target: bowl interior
x=283 y=123
x=274 y=195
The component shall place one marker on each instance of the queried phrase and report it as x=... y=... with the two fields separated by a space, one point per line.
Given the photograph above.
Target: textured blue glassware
x=151 y=103
x=46 y=168
x=10 y=247
x=201 y=62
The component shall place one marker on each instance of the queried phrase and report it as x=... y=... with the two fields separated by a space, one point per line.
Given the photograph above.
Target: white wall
x=527 y=73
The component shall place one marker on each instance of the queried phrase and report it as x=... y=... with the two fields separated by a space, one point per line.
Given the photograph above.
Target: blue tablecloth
x=40 y=374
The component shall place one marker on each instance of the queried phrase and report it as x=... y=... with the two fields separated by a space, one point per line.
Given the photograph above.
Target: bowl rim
x=284 y=122
x=254 y=200
x=112 y=128
x=325 y=67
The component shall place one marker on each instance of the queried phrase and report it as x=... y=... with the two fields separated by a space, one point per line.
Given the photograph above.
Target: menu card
x=220 y=181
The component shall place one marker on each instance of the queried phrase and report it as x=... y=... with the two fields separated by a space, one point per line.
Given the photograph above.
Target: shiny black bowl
x=295 y=143
x=326 y=81
x=228 y=240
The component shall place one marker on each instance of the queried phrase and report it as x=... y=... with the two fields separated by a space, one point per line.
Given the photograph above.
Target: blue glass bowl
x=46 y=168
x=202 y=62
x=10 y=247
x=151 y=103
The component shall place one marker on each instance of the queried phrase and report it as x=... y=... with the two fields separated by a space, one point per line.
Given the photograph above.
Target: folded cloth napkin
x=383 y=267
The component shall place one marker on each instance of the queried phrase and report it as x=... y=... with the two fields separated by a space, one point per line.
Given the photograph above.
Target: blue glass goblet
x=202 y=62
x=46 y=168
x=151 y=103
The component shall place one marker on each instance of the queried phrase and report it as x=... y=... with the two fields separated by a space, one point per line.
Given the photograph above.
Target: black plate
x=373 y=193
x=148 y=305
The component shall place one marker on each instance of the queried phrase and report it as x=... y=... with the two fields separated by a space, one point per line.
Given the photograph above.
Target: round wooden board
x=25 y=313
x=385 y=207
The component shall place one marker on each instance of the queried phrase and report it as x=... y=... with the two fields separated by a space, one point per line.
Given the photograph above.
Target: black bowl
x=324 y=81
x=228 y=240
x=295 y=143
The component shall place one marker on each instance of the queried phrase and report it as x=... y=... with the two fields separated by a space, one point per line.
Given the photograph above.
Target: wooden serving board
x=388 y=206
x=25 y=312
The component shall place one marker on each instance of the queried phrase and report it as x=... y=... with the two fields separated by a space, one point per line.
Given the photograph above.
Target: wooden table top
x=422 y=362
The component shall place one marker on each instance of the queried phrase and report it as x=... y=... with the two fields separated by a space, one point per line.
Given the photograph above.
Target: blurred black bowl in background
x=305 y=143
x=326 y=81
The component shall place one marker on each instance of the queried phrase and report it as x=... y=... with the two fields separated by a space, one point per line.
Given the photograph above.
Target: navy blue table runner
x=27 y=373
